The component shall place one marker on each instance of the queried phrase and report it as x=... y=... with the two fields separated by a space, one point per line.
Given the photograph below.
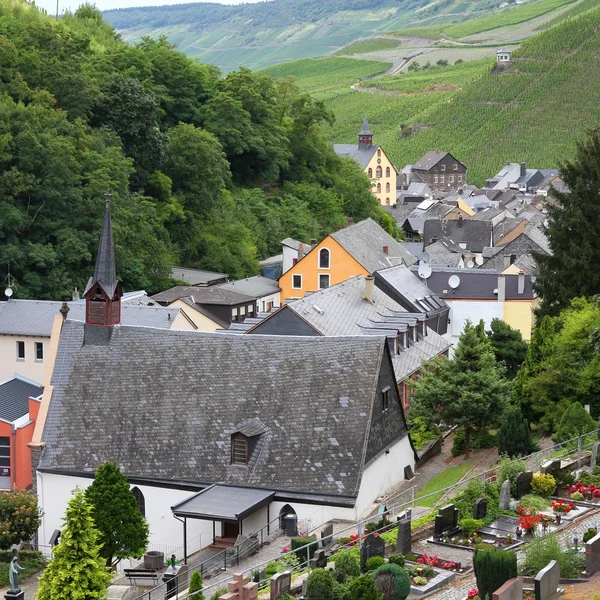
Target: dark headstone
x=176 y=579
x=592 y=555
x=280 y=584
x=15 y=595
x=319 y=560
x=408 y=473
x=446 y=521
x=326 y=535
x=373 y=545
x=546 y=582
x=552 y=467
x=480 y=508
x=54 y=538
x=523 y=483
x=404 y=538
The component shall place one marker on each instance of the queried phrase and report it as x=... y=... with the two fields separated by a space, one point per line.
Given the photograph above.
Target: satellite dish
x=425 y=257
x=8 y=292
x=479 y=259
x=454 y=281
x=424 y=270
x=470 y=264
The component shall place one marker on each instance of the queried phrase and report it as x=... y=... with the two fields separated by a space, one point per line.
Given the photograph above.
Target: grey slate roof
x=213 y=294
x=477 y=234
x=430 y=159
x=35 y=317
x=292 y=243
x=444 y=259
x=362 y=155
x=444 y=245
x=196 y=276
x=14 y=397
x=255 y=287
x=365 y=241
x=164 y=404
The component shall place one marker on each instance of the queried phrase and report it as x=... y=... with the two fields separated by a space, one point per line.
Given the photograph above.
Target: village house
x=503 y=55
x=359 y=249
x=440 y=171
x=216 y=416
x=197 y=277
x=374 y=162
x=470 y=235
x=517 y=176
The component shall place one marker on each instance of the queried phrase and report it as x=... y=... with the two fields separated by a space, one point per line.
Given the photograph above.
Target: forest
x=204 y=171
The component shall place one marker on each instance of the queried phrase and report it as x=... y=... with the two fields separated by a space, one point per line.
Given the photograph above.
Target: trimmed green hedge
x=298 y=542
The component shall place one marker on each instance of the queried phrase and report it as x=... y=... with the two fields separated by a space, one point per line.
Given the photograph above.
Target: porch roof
x=223 y=503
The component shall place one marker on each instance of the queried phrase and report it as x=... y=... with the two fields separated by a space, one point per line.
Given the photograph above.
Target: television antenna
x=424 y=271
x=10 y=281
x=454 y=281
x=479 y=259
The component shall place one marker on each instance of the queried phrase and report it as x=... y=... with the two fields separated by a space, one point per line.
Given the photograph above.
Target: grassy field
x=512 y=15
x=445 y=479
x=535 y=112
x=370 y=45
x=574 y=11
x=435 y=78
x=320 y=75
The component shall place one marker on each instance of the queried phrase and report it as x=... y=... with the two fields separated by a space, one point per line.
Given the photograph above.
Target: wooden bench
x=133 y=574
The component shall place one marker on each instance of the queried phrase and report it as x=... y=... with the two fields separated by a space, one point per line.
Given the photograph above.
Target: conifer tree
x=123 y=529
x=195 y=591
x=77 y=570
x=573 y=231
x=574 y=422
x=470 y=390
x=514 y=436
x=508 y=345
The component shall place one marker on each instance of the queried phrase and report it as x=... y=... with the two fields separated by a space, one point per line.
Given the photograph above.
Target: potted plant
x=560 y=508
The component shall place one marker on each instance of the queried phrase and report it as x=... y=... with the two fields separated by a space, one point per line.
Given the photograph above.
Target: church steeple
x=103 y=291
x=365 y=137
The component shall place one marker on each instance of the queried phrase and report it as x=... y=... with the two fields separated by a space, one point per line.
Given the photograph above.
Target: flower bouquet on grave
x=545 y=520
x=561 y=506
x=473 y=594
x=528 y=522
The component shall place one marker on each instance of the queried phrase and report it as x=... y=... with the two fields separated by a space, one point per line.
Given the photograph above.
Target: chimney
x=523 y=169
x=300 y=251
x=350 y=221
x=501 y=288
x=506 y=261
x=64 y=310
x=75 y=295
x=521 y=282
x=313 y=242
x=369 y=285
x=460 y=221
x=386 y=250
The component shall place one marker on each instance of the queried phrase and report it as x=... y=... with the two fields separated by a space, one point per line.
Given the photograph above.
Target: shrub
x=375 y=562
x=347 y=564
x=428 y=572
x=340 y=592
x=344 y=541
x=273 y=567
x=218 y=593
x=319 y=585
x=480 y=439
x=305 y=553
x=535 y=504
x=361 y=588
x=20 y=517
x=575 y=421
x=374 y=526
x=470 y=526
x=195 y=591
x=492 y=569
x=514 y=436
x=421 y=432
x=511 y=469
x=589 y=534
x=392 y=582
x=541 y=550
x=396 y=559
x=577 y=496
x=544 y=485
x=564 y=478
x=420 y=580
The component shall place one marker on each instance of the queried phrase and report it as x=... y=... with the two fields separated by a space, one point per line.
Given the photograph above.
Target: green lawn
x=445 y=479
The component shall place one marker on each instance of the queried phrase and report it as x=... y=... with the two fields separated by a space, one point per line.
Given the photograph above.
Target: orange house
x=359 y=249
x=19 y=405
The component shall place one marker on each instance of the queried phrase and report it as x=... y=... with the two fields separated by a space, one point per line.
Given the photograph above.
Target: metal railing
x=574 y=449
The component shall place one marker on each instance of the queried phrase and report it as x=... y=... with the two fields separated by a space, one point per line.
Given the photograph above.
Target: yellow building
x=359 y=249
x=374 y=162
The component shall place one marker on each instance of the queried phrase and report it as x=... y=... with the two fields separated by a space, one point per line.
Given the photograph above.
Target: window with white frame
x=323 y=258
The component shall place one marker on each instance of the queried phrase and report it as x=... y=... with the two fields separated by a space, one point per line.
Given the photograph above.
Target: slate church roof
x=164 y=405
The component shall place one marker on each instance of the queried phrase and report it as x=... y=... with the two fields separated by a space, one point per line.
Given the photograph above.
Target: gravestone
x=408 y=473
x=280 y=584
x=480 y=508
x=504 y=501
x=592 y=555
x=240 y=588
x=546 y=582
x=523 y=483
x=511 y=590
x=404 y=538
x=595 y=449
x=446 y=521
x=319 y=560
x=551 y=467
x=326 y=535
x=373 y=545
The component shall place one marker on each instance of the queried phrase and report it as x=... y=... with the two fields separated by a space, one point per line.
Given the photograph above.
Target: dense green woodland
x=204 y=171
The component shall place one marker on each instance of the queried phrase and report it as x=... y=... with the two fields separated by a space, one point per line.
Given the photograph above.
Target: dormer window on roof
x=239 y=449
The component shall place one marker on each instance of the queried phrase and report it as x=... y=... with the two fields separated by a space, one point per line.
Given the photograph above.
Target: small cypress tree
x=362 y=588
x=492 y=569
x=514 y=437
x=76 y=570
x=319 y=585
x=195 y=591
x=574 y=422
x=123 y=530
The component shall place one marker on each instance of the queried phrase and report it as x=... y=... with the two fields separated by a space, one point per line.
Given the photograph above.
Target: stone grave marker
x=404 y=538
x=546 y=582
x=551 y=467
x=373 y=545
x=446 y=521
x=480 y=508
x=511 y=590
x=281 y=583
x=523 y=483
x=326 y=535
x=592 y=555
x=408 y=473
x=319 y=560
x=504 y=501
x=595 y=449
x=240 y=588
